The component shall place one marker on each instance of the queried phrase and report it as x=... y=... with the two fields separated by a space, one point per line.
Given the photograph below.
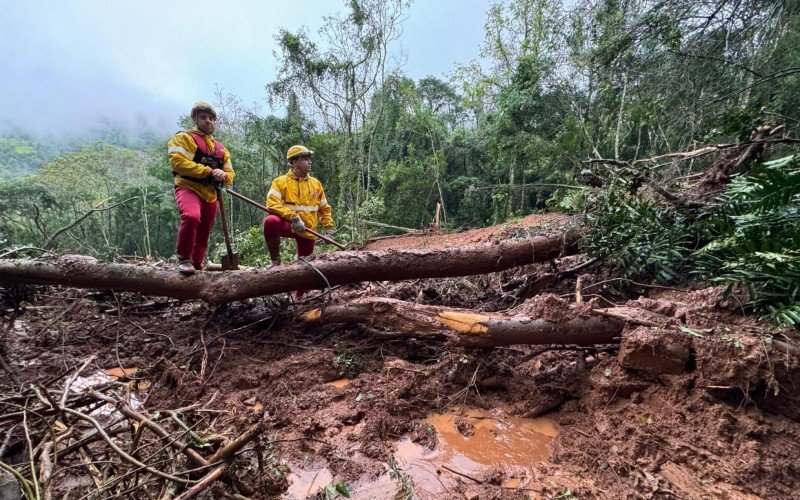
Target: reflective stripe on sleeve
x=179 y=150
x=275 y=193
x=323 y=203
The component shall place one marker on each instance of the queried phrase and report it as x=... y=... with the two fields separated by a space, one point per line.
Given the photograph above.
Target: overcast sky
x=70 y=66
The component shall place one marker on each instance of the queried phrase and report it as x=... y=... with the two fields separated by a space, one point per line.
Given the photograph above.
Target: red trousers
x=278 y=227
x=197 y=219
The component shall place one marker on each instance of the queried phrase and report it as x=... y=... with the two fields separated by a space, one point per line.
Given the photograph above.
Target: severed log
x=315 y=273
x=470 y=329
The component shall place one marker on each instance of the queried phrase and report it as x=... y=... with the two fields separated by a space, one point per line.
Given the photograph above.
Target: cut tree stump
x=337 y=268
x=467 y=328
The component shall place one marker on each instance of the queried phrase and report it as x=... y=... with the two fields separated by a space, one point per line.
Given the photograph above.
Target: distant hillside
x=21 y=154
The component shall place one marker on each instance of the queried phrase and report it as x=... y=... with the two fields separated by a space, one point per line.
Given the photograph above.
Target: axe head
x=230 y=262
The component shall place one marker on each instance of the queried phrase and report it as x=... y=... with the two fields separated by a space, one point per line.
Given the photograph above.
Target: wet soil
x=530 y=225
x=705 y=406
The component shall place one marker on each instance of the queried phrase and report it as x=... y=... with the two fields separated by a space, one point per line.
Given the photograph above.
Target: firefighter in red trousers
x=296 y=201
x=198 y=162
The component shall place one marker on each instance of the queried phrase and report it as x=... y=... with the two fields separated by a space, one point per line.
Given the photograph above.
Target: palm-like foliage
x=644 y=240
x=756 y=239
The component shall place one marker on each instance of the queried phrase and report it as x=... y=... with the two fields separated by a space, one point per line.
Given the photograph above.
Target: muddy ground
x=703 y=407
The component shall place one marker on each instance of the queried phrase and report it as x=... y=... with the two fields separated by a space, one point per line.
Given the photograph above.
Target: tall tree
x=336 y=78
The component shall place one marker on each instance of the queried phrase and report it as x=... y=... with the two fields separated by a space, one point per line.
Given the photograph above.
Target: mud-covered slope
x=703 y=406
x=705 y=412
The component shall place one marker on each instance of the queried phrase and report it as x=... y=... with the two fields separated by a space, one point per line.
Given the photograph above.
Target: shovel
x=230 y=262
x=262 y=207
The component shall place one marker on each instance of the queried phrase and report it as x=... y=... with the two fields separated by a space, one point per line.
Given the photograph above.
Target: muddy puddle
x=471 y=445
x=340 y=383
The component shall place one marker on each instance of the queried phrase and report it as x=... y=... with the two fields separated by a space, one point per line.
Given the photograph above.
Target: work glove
x=297 y=224
x=219 y=175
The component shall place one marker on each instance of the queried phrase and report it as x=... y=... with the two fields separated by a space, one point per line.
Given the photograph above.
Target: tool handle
x=262 y=207
x=325 y=238
x=224 y=221
x=248 y=200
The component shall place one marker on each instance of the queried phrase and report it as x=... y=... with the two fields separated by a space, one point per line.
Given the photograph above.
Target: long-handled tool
x=262 y=207
x=230 y=262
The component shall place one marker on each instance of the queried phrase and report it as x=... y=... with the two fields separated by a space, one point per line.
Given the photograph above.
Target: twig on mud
x=294 y=398
x=46 y=470
x=625 y=317
x=174 y=415
x=579 y=267
x=86 y=460
x=646 y=285
x=185 y=409
x=204 y=359
x=24 y=483
x=471 y=384
x=125 y=456
x=461 y=474
x=30 y=450
x=219 y=358
x=63 y=313
x=7 y=440
x=74 y=377
x=112 y=430
x=9 y=370
x=157 y=429
x=250 y=325
x=146 y=332
x=233 y=496
x=204 y=483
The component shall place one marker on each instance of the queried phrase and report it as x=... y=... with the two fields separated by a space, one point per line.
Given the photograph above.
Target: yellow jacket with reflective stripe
x=181 y=149
x=290 y=195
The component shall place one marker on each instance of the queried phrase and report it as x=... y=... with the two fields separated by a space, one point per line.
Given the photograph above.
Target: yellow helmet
x=203 y=106
x=298 y=150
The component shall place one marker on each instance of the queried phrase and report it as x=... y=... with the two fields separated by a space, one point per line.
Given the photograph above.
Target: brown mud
x=530 y=225
x=705 y=407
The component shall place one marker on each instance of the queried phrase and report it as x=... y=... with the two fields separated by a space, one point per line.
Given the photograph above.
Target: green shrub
x=644 y=240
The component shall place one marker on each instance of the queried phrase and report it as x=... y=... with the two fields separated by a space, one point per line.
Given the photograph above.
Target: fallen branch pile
x=50 y=431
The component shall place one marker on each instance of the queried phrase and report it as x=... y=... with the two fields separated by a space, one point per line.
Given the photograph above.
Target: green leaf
x=343 y=489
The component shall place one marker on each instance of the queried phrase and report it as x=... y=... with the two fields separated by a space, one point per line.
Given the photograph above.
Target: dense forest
x=573 y=107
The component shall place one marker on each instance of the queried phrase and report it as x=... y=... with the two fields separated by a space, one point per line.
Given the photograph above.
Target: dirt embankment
x=534 y=224
x=704 y=407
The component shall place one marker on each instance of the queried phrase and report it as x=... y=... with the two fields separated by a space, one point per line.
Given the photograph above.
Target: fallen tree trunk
x=323 y=270
x=469 y=329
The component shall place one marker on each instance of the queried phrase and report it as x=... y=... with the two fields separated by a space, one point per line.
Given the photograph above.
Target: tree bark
x=470 y=329
x=338 y=268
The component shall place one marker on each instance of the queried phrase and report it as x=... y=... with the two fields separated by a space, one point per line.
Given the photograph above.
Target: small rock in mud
x=654 y=350
x=464 y=427
x=424 y=434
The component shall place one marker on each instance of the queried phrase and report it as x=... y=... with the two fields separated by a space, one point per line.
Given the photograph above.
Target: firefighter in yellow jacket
x=198 y=161
x=296 y=201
